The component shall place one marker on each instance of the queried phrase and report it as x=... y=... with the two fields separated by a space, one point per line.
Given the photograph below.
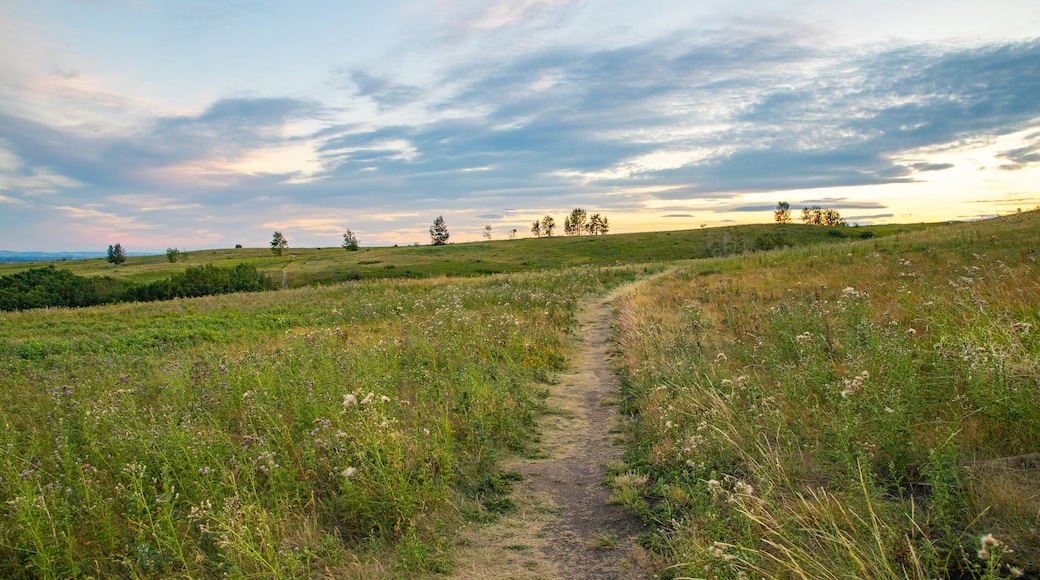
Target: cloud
x=678 y=215
x=385 y=93
x=1022 y=157
x=922 y=167
x=679 y=119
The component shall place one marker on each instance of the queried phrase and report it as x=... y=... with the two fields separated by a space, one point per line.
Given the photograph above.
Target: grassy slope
x=307 y=266
x=861 y=410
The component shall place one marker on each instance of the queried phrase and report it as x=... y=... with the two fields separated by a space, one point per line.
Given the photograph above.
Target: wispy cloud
x=515 y=114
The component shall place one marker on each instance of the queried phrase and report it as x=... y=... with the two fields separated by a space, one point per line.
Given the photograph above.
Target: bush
x=49 y=287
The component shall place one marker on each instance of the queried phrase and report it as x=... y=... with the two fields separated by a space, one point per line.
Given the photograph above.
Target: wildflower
x=803 y=337
x=744 y=488
x=988 y=541
x=714 y=484
x=348 y=473
x=368 y=398
x=384 y=399
x=349 y=400
x=668 y=425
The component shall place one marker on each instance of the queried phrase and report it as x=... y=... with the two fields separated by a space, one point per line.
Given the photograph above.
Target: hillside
x=307 y=266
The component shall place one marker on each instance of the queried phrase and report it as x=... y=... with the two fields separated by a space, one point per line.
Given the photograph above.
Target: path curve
x=564 y=527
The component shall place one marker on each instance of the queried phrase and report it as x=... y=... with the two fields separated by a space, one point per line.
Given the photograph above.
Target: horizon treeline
x=50 y=287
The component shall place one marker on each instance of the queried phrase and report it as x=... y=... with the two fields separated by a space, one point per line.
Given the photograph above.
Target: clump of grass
x=843 y=410
x=604 y=541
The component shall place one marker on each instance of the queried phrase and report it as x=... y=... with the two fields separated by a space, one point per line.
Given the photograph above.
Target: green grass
x=277 y=434
x=310 y=266
x=349 y=429
x=867 y=409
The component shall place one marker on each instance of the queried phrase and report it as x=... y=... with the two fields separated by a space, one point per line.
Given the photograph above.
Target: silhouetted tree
x=487 y=232
x=279 y=243
x=597 y=225
x=548 y=226
x=439 y=232
x=574 y=224
x=782 y=213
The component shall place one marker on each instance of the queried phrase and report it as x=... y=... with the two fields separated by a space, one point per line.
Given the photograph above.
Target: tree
x=831 y=217
x=818 y=216
x=439 y=232
x=512 y=234
x=116 y=255
x=487 y=232
x=782 y=213
x=173 y=254
x=536 y=229
x=598 y=225
x=812 y=215
x=548 y=226
x=279 y=243
x=574 y=224
x=350 y=241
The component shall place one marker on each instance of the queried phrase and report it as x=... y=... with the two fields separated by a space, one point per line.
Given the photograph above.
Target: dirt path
x=564 y=527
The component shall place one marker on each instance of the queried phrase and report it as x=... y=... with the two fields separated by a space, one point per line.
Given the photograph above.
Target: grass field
x=867 y=410
x=342 y=430
x=842 y=406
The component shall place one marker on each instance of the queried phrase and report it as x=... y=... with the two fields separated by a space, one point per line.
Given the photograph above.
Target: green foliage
x=279 y=243
x=350 y=241
x=116 y=255
x=50 y=287
x=548 y=226
x=574 y=224
x=205 y=280
x=173 y=254
x=782 y=213
x=439 y=232
x=818 y=216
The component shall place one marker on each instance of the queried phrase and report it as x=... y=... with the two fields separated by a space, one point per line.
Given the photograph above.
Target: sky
x=208 y=123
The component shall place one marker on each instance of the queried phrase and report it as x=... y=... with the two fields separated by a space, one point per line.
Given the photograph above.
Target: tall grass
x=340 y=431
x=869 y=409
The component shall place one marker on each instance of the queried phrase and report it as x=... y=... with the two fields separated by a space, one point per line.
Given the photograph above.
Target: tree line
x=50 y=287
x=813 y=216
x=577 y=223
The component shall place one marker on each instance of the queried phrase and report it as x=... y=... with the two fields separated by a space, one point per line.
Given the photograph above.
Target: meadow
x=798 y=402
x=343 y=431
x=860 y=410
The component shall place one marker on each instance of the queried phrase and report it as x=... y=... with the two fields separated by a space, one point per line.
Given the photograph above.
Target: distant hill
x=9 y=257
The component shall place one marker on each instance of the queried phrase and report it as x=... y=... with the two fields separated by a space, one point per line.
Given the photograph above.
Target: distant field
x=308 y=266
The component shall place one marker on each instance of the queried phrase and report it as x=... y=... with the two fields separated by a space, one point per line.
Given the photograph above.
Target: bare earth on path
x=563 y=527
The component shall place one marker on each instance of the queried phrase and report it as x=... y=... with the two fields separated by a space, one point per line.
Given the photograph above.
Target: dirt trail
x=564 y=527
